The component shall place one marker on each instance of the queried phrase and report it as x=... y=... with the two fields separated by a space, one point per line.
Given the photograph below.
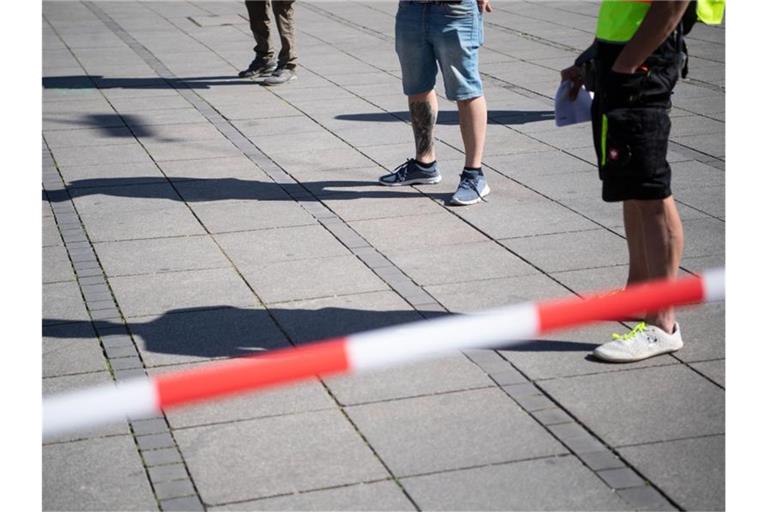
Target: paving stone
x=51 y=234
x=106 y=154
x=315 y=319
x=715 y=370
x=487 y=294
x=690 y=471
x=173 y=489
x=376 y=496
x=154 y=426
x=158 y=293
x=557 y=483
x=416 y=379
x=451 y=431
x=645 y=498
x=230 y=216
x=394 y=235
x=703 y=331
x=124 y=173
x=71 y=348
x=81 y=475
x=154 y=441
x=198 y=333
x=62 y=302
x=673 y=396
x=466 y=263
x=190 y=150
x=160 y=255
x=160 y=457
x=601 y=460
x=167 y=473
x=299 y=279
x=237 y=167
x=186 y=503
x=56 y=265
x=258 y=458
x=621 y=478
x=282 y=244
x=110 y=226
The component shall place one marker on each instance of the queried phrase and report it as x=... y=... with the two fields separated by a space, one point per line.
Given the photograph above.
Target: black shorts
x=630 y=124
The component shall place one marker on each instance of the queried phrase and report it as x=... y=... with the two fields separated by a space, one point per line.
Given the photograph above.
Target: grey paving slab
x=322 y=159
x=315 y=319
x=71 y=349
x=158 y=293
x=174 y=220
x=446 y=374
x=715 y=370
x=159 y=255
x=466 y=263
x=50 y=236
x=260 y=458
x=558 y=483
x=191 y=150
x=238 y=167
x=300 y=279
x=106 y=196
x=397 y=235
x=596 y=248
x=375 y=496
x=486 y=294
x=689 y=471
x=56 y=265
x=229 y=216
x=164 y=116
x=674 y=396
x=451 y=431
x=114 y=153
x=183 y=335
x=116 y=173
x=62 y=302
x=52 y=385
x=81 y=475
x=255 y=248
x=89 y=137
x=703 y=330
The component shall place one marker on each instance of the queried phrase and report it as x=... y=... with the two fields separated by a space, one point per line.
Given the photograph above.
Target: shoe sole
x=483 y=193
x=267 y=84
x=635 y=359
x=417 y=181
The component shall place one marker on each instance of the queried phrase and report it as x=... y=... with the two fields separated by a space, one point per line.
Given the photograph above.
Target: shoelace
x=401 y=171
x=631 y=334
x=471 y=183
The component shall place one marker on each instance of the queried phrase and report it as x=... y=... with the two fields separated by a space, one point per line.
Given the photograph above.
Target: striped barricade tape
x=145 y=397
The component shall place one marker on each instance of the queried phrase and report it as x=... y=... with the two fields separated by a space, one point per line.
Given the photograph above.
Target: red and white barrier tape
x=145 y=397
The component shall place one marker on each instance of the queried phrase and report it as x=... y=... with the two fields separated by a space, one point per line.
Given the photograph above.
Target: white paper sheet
x=572 y=112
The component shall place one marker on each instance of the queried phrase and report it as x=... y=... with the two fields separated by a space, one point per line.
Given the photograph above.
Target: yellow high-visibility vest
x=618 y=20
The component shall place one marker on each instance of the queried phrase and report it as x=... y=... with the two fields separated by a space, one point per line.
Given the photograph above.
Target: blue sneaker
x=472 y=188
x=411 y=173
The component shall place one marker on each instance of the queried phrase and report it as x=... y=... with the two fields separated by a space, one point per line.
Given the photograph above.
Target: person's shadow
x=221 y=189
x=451 y=117
x=228 y=331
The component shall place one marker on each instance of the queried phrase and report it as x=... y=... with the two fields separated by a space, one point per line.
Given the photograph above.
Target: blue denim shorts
x=444 y=34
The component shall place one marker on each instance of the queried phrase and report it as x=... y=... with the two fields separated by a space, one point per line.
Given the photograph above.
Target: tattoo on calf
x=423 y=122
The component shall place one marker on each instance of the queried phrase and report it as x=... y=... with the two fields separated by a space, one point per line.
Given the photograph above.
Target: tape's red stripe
x=650 y=296
x=279 y=366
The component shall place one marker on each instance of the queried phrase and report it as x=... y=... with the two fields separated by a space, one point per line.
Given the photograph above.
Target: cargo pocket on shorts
x=633 y=143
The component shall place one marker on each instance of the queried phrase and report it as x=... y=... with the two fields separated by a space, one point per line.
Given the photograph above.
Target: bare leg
x=633 y=226
x=473 y=120
x=423 y=109
x=663 y=235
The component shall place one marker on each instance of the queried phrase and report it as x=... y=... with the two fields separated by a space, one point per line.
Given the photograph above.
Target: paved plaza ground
x=190 y=216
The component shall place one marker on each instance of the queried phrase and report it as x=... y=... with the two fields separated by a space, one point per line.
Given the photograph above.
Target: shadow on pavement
x=222 y=189
x=452 y=117
x=228 y=331
x=101 y=82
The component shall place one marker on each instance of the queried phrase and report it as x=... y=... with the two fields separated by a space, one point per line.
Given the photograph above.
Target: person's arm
x=660 y=21
x=484 y=5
